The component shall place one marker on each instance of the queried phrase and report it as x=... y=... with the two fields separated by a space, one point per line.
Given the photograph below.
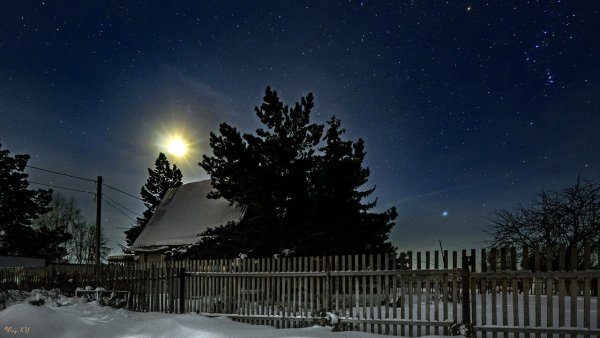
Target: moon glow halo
x=177 y=147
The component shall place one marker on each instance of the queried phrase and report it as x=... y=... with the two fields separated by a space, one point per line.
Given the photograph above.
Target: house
x=183 y=214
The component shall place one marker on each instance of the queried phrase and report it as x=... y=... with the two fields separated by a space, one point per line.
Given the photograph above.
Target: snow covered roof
x=183 y=214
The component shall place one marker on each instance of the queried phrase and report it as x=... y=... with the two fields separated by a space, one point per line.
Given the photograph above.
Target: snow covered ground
x=60 y=316
x=74 y=318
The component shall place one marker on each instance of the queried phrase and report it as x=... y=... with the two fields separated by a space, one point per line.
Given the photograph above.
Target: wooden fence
x=507 y=292
x=548 y=295
x=367 y=292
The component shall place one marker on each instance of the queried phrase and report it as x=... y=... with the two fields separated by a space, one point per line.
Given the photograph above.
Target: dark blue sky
x=465 y=107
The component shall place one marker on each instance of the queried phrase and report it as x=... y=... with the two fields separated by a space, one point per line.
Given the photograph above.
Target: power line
x=85 y=179
x=421 y=246
x=122 y=192
x=62 y=174
x=120 y=205
x=119 y=210
x=64 y=188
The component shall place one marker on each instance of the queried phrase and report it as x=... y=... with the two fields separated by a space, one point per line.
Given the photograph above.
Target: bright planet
x=470 y=106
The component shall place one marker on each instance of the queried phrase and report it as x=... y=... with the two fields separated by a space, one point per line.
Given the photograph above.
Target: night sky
x=465 y=107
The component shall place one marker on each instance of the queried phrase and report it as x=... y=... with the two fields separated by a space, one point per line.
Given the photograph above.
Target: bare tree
x=64 y=214
x=83 y=243
x=567 y=217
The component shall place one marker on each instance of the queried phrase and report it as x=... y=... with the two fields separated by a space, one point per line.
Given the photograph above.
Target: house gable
x=183 y=214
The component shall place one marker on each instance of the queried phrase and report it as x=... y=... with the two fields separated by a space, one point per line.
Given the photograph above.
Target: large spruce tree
x=19 y=207
x=161 y=179
x=340 y=219
x=300 y=196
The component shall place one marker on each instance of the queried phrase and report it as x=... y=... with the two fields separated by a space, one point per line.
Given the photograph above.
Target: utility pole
x=98 y=217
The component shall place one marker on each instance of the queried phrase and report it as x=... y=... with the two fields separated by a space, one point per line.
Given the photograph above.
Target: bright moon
x=177 y=147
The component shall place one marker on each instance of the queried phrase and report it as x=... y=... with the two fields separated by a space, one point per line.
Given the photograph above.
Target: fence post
x=169 y=282
x=182 y=290
x=466 y=301
x=328 y=281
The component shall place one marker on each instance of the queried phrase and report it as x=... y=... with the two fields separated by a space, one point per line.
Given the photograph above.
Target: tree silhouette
x=64 y=215
x=161 y=179
x=19 y=207
x=300 y=197
x=564 y=218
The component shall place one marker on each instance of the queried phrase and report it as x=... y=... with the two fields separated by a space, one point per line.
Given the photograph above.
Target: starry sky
x=465 y=107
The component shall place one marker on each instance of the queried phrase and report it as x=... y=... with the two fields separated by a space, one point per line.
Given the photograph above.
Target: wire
x=64 y=188
x=120 y=205
x=453 y=244
x=84 y=179
x=63 y=174
x=122 y=192
x=119 y=210
x=421 y=246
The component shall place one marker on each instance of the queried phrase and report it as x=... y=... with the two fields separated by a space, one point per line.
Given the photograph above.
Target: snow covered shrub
x=40 y=297
x=11 y=297
x=37 y=297
x=114 y=300
x=38 y=301
x=328 y=319
x=460 y=329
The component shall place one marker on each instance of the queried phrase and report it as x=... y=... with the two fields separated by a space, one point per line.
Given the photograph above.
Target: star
x=403 y=89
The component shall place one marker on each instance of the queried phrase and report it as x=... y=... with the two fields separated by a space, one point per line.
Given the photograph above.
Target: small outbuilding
x=183 y=214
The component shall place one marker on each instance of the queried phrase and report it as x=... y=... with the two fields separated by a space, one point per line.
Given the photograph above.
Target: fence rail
x=549 y=292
